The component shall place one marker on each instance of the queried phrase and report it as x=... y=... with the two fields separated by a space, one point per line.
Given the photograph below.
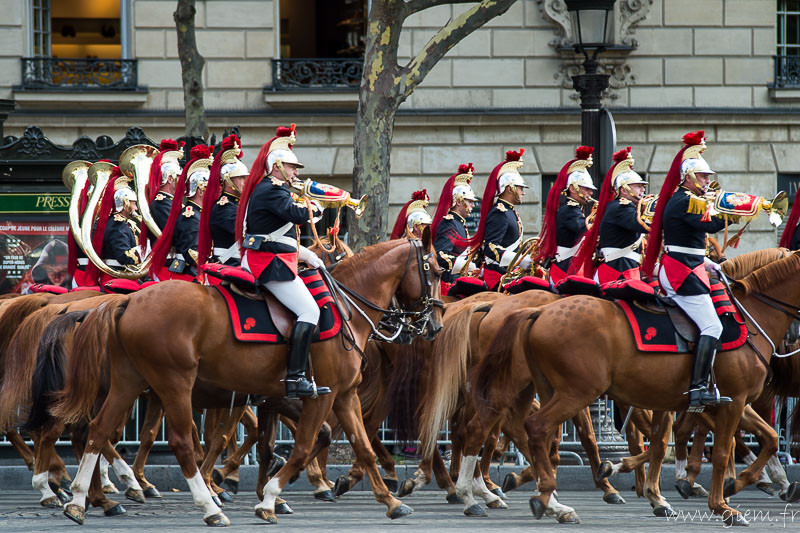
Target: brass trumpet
x=99 y=175
x=528 y=247
x=74 y=177
x=593 y=213
x=135 y=162
x=329 y=196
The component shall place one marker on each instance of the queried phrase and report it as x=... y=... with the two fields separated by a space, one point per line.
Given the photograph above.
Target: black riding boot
x=700 y=393
x=297 y=385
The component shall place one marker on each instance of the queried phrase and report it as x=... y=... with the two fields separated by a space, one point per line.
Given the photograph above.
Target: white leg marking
x=201 y=496
x=80 y=485
x=464 y=483
x=479 y=486
x=40 y=483
x=777 y=473
x=615 y=469
x=680 y=469
x=555 y=509
x=271 y=491
x=420 y=480
x=125 y=474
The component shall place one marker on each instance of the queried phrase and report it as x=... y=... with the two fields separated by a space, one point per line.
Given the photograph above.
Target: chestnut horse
x=173 y=333
x=571 y=370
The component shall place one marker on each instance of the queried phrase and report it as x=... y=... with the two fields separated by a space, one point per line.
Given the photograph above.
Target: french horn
x=74 y=176
x=135 y=162
x=99 y=174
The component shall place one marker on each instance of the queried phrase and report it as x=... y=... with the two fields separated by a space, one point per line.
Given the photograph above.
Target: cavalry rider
x=164 y=174
x=790 y=238
x=180 y=231
x=267 y=229
x=413 y=217
x=500 y=228
x=617 y=228
x=450 y=234
x=217 y=238
x=683 y=273
x=565 y=220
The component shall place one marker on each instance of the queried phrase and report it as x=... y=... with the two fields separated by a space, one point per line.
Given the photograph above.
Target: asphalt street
x=357 y=511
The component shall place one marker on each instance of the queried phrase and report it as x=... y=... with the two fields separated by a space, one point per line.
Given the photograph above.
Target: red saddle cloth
x=52 y=289
x=251 y=320
x=654 y=331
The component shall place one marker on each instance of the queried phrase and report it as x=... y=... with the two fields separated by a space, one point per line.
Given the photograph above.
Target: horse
x=569 y=375
x=197 y=343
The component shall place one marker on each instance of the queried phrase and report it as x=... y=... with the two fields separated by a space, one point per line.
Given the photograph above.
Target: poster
x=32 y=251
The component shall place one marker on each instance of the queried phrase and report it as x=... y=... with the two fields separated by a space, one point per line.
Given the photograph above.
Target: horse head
x=420 y=288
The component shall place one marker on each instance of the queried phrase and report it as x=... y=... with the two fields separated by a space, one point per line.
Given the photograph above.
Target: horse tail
x=51 y=360
x=447 y=375
x=84 y=373
x=404 y=388
x=488 y=379
x=19 y=362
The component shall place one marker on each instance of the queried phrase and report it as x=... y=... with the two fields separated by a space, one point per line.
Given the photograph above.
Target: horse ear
x=427 y=238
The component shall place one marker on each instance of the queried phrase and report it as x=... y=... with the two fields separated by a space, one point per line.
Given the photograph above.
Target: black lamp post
x=592 y=31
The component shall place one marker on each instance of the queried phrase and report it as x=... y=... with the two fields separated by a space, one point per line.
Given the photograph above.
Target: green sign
x=39 y=203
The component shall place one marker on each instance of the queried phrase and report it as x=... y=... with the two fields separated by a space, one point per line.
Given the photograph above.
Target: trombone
x=135 y=162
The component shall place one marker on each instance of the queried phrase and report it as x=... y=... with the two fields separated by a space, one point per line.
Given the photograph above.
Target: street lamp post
x=591 y=28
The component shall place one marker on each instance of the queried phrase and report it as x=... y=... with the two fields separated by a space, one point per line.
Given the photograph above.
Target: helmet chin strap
x=515 y=192
x=696 y=183
x=580 y=194
x=230 y=183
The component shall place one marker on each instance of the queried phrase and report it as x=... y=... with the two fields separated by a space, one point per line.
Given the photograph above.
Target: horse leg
x=22 y=449
x=219 y=426
x=682 y=430
x=314 y=474
x=767 y=438
x=147 y=438
x=659 y=438
x=725 y=422
x=583 y=424
x=489 y=446
x=422 y=476
x=696 y=459
x=267 y=428
x=387 y=463
x=229 y=474
x=44 y=448
x=470 y=480
x=635 y=440
x=443 y=479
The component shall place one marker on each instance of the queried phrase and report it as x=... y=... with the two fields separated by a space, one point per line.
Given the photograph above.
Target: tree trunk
x=192 y=64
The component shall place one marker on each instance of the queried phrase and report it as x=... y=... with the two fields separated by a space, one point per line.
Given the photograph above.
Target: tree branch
x=445 y=39
x=415 y=6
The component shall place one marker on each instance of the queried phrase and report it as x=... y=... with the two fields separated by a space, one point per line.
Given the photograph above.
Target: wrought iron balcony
x=82 y=74
x=787 y=72
x=317 y=74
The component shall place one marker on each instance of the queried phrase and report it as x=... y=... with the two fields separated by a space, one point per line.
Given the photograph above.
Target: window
x=787 y=60
x=40 y=27
x=86 y=30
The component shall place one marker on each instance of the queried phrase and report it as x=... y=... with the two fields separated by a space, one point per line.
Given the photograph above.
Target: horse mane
x=362 y=262
x=758 y=271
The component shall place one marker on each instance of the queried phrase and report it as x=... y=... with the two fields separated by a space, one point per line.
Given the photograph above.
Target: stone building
x=727 y=66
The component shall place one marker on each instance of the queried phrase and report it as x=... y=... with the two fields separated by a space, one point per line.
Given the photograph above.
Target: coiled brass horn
x=135 y=162
x=74 y=177
x=99 y=175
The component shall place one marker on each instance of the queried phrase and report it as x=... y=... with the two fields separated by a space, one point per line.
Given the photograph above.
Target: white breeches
x=699 y=307
x=295 y=296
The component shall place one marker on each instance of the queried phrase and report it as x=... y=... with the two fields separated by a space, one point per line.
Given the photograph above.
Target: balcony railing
x=787 y=72
x=316 y=74
x=83 y=74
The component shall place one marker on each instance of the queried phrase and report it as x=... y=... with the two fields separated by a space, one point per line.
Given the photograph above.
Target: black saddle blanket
x=252 y=323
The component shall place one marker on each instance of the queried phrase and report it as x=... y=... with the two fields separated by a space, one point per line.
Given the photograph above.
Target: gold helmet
x=623 y=174
x=462 y=190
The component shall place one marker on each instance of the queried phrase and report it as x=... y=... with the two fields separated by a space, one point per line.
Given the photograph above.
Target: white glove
x=525 y=264
x=460 y=261
x=711 y=266
x=310 y=258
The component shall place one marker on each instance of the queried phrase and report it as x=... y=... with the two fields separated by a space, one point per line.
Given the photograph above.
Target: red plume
x=511 y=155
x=168 y=144
x=694 y=138
x=791 y=224
x=212 y=194
x=200 y=151
x=420 y=195
x=104 y=161
x=446 y=199
x=399 y=228
x=584 y=152
x=620 y=156
x=463 y=169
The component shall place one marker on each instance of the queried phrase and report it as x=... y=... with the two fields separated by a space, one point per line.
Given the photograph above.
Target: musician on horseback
x=683 y=275
x=120 y=228
x=790 y=238
x=565 y=220
x=413 y=217
x=449 y=229
x=164 y=174
x=617 y=229
x=267 y=230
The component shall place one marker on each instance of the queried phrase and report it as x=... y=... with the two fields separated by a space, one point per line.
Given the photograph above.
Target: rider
x=617 y=228
x=164 y=174
x=413 y=217
x=683 y=276
x=180 y=231
x=267 y=230
x=790 y=238
x=500 y=229
x=218 y=218
x=449 y=229
x=565 y=219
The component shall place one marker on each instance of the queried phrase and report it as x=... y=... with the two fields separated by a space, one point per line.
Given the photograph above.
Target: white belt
x=612 y=254
x=83 y=261
x=112 y=263
x=562 y=252
x=226 y=253
x=179 y=256
x=685 y=250
x=279 y=235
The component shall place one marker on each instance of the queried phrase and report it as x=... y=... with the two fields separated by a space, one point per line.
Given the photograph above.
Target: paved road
x=357 y=511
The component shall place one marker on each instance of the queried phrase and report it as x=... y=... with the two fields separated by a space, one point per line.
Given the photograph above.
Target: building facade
x=729 y=67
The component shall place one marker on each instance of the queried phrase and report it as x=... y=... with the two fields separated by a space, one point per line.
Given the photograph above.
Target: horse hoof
x=684 y=488
x=52 y=502
x=391 y=484
x=454 y=498
x=405 y=489
x=225 y=497
x=605 y=470
x=283 y=508
x=325 y=496
x=476 y=511
x=217 y=520
x=342 y=485
x=499 y=493
x=766 y=487
x=232 y=484
x=497 y=504
x=613 y=498
x=569 y=518
x=64 y=496
x=135 y=495
x=110 y=489
x=792 y=494
x=537 y=508
x=276 y=464
x=151 y=492
x=117 y=510
x=509 y=482
x=400 y=511
x=736 y=519
x=216 y=475
x=65 y=484
x=729 y=488
x=664 y=511
x=699 y=492
x=267 y=516
x=76 y=514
